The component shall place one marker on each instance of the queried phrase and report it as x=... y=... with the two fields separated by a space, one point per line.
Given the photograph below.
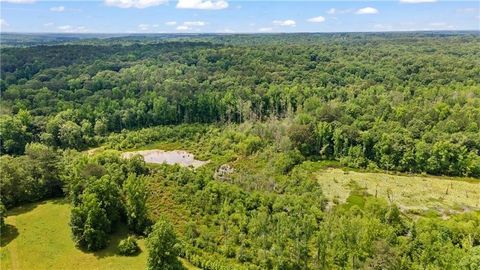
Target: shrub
x=128 y=247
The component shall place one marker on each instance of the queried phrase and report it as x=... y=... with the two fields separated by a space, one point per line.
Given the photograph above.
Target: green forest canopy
x=406 y=102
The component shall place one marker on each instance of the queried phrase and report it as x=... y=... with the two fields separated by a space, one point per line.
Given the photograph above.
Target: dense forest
x=406 y=104
x=393 y=102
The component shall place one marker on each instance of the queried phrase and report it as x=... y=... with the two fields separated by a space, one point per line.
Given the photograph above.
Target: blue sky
x=227 y=16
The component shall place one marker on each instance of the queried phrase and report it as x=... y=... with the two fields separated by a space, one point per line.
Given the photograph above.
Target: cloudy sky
x=241 y=16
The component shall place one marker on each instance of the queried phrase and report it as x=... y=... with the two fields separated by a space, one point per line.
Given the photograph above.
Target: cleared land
x=183 y=158
x=38 y=237
x=411 y=193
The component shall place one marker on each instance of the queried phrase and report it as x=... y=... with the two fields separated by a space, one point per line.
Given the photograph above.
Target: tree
x=136 y=194
x=3 y=214
x=89 y=223
x=303 y=138
x=100 y=127
x=162 y=244
x=45 y=161
x=13 y=135
x=385 y=258
x=471 y=260
x=109 y=197
x=70 y=135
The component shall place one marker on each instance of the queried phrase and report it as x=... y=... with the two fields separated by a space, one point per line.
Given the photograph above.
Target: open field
x=38 y=237
x=411 y=193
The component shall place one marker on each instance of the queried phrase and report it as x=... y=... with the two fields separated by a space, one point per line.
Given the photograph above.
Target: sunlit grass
x=37 y=236
x=413 y=193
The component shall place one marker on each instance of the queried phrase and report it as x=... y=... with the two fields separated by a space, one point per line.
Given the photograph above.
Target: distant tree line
x=406 y=103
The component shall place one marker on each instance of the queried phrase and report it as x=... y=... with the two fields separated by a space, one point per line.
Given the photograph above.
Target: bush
x=251 y=145
x=128 y=247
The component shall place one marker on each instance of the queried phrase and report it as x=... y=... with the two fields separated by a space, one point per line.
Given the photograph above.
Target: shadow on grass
x=22 y=209
x=25 y=208
x=121 y=232
x=8 y=234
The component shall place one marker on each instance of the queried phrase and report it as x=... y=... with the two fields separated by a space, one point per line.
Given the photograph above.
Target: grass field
x=38 y=237
x=412 y=193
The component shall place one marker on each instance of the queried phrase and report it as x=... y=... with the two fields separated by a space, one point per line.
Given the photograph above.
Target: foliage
x=3 y=214
x=268 y=108
x=423 y=117
x=90 y=224
x=128 y=246
x=162 y=246
x=37 y=230
x=31 y=177
x=98 y=198
x=136 y=194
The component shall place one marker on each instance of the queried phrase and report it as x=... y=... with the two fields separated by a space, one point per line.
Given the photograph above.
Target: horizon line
x=237 y=33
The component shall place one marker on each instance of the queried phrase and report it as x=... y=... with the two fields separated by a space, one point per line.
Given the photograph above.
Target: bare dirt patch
x=180 y=157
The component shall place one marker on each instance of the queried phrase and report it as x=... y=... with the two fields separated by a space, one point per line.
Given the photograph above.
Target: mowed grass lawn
x=37 y=236
x=411 y=193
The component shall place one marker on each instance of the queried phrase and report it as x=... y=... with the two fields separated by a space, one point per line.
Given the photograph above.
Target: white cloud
x=172 y=23
x=202 y=4
x=334 y=11
x=438 y=24
x=189 y=25
x=183 y=28
x=417 y=1
x=197 y=23
x=468 y=10
x=284 y=23
x=48 y=24
x=72 y=29
x=226 y=30
x=134 y=3
x=58 y=9
x=383 y=27
x=3 y=23
x=265 y=29
x=64 y=27
x=367 y=10
x=318 y=19
x=19 y=1
x=143 y=26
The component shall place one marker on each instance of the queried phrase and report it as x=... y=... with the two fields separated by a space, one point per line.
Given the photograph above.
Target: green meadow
x=37 y=236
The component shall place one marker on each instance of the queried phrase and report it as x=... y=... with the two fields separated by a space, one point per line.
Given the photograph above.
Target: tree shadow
x=121 y=232
x=8 y=234
x=59 y=200
x=22 y=209
x=25 y=208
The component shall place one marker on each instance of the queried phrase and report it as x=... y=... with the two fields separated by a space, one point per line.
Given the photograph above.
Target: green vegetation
x=319 y=148
x=128 y=246
x=410 y=104
x=412 y=193
x=38 y=237
x=162 y=245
